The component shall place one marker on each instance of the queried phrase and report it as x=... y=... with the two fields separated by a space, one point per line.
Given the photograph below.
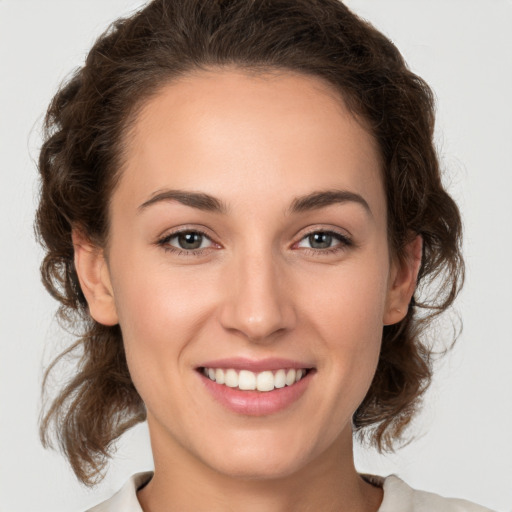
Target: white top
x=398 y=497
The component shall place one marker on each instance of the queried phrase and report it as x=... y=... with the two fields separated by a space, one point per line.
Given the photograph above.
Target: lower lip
x=257 y=403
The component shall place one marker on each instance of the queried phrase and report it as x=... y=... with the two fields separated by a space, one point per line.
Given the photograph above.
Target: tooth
x=280 y=379
x=219 y=376
x=290 y=377
x=265 y=381
x=246 y=380
x=231 y=378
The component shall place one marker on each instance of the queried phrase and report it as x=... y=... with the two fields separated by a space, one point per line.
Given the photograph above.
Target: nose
x=258 y=304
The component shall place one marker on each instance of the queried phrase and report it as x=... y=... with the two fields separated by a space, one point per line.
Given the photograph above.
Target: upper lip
x=254 y=365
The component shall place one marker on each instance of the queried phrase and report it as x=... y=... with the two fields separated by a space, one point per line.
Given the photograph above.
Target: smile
x=247 y=380
x=256 y=388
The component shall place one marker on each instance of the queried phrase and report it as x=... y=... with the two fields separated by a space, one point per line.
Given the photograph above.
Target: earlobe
x=403 y=282
x=94 y=277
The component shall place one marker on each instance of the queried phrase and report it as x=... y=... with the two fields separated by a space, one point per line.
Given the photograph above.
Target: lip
x=253 y=365
x=256 y=403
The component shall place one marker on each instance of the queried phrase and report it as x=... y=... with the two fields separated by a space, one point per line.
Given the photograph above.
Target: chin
x=257 y=469
x=257 y=460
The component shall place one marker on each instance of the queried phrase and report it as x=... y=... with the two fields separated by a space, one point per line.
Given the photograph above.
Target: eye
x=189 y=240
x=322 y=240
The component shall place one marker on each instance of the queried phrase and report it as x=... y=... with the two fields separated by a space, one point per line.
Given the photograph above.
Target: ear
x=403 y=276
x=94 y=277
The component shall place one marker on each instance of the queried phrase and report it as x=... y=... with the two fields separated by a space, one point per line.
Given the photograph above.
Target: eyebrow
x=323 y=198
x=206 y=202
x=197 y=200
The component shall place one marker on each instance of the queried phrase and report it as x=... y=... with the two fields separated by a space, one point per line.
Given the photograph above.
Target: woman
x=239 y=200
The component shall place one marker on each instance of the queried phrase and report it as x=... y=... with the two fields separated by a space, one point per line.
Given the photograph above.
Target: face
x=248 y=248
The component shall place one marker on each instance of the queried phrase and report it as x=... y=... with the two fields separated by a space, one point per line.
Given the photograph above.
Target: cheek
x=349 y=298
x=160 y=309
x=345 y=310
x=161 y=314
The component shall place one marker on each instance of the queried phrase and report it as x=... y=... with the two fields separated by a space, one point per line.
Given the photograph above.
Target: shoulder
x=126 y=498
x=399 y=497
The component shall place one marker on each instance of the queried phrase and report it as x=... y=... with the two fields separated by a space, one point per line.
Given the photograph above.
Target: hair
x=82 y=154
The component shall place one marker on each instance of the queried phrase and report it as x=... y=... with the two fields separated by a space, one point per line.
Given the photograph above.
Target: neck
x=330 y=482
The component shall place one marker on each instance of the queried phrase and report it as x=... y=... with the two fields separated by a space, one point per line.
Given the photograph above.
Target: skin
x=257 y=288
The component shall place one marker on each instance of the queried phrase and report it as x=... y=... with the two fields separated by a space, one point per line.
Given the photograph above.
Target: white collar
x=398 y=497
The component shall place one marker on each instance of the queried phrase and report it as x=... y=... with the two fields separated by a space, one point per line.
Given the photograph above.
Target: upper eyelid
x=179 y=231
x=205 y=231
x=342 y=239
x=300 y=234
x=326 y=229
x=309 y=231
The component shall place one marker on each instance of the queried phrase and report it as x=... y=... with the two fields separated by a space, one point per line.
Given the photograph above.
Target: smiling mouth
x=247 y=380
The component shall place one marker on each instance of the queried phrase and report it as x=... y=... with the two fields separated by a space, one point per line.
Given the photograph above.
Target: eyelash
x=344 y=243
x=164 y=243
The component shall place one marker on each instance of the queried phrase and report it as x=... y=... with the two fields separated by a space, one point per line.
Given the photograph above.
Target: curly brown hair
x=83 y=151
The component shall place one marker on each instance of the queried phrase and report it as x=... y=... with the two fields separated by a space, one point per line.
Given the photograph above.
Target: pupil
x=320 y=240
x=190 y=240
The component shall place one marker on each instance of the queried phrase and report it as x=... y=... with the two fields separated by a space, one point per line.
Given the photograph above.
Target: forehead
x=246 y=136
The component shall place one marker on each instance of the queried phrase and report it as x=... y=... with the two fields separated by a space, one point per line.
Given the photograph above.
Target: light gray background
x=464 y=50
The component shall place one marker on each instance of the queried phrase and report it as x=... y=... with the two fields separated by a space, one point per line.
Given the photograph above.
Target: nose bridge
x=257 y=304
